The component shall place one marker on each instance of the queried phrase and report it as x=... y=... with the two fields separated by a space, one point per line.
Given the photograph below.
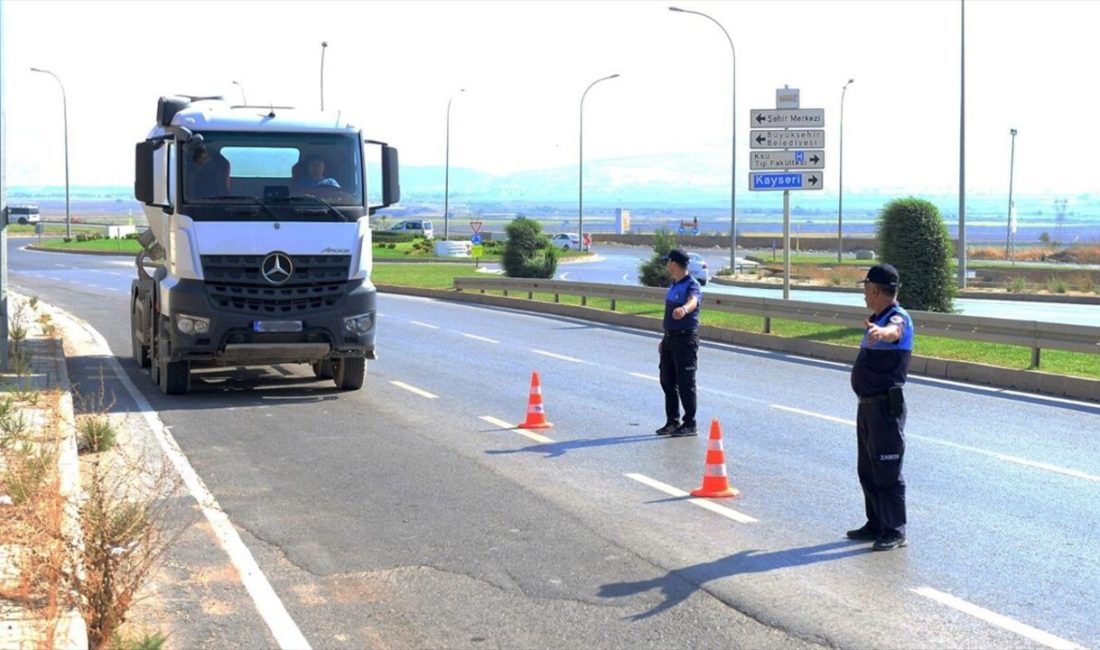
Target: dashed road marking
x=523 y=432
x=830 y=418
x=1001 y=621
x=414 y=389
x=558 y=356
x=641 y=376
x=705 y=504
x=479 y=338
x=422 y=324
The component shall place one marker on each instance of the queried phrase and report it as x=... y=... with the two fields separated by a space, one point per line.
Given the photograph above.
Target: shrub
x=652 y=272
x=528 y=253
x=1017 y=285
x=914 y=238
x=1056 y=285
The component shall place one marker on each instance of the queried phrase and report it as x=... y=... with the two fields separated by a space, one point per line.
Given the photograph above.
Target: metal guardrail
x=1029 y=334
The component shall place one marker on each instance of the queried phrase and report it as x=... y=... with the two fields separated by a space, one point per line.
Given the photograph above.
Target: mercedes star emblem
x=276 y=268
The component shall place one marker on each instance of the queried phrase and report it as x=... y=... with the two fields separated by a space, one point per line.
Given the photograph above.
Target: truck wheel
x=323 y=369
x=349 y=372
x=140 y=352
x=173 y=377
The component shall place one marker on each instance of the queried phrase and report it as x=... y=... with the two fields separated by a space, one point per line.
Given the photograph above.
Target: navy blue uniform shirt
x=884 y=364
x=677 y=296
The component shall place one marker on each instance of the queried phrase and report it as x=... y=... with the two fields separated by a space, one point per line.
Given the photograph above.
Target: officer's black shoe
x=889 y=541
x=684 y=431
x=864 y=533
x=668 y=428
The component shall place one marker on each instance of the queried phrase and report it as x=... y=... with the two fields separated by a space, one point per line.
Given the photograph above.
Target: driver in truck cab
x=209 y=174
x=315 y=174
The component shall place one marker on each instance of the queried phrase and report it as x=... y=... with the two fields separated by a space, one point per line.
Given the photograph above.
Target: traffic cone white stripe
x=715 y=470
x=714 y=445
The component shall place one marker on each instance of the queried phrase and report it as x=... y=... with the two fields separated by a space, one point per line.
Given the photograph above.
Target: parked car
x=566 y=241
x=697 y=267
x=420 y=227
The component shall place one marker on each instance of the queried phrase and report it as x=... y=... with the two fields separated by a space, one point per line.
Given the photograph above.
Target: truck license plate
x=277 y=326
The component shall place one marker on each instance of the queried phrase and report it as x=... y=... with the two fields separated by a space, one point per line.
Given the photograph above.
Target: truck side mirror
x=151 y=166
x=391 y=185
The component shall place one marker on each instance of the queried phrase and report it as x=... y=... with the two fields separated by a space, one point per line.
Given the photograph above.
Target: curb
x=1031 y=381
x=18 y=626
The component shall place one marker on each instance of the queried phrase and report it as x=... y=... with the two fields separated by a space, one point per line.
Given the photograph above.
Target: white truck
x=259 y=244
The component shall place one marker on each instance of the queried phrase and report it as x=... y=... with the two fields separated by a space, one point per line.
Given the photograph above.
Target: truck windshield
x=272 y=170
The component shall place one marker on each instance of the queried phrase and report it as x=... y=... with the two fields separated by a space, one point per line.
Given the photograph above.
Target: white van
x=419 y=227
x=23 y=214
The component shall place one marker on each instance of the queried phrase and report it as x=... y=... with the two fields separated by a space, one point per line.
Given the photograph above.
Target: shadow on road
x=677 y=585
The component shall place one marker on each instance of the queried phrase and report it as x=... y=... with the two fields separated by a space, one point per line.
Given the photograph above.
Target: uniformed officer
x=679 y=348
x=877 y=378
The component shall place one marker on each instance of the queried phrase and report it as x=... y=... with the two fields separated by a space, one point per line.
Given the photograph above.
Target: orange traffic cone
x=536 y=414
x=715 y=481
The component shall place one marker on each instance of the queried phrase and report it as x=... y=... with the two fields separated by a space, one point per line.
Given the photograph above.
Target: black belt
x=873 y=398
x=679 y=332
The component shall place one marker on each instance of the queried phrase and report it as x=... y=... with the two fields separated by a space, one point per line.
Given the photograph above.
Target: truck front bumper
x=200 y=330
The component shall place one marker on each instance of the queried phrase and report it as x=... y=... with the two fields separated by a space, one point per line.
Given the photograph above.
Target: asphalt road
x=411 y=514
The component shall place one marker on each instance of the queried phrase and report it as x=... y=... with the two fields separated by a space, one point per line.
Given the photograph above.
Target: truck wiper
x=316 y=199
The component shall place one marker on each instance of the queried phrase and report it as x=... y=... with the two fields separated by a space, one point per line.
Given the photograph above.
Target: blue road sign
x=682 y=230
x=695 y=231
x=773 y=181
x=475 y=239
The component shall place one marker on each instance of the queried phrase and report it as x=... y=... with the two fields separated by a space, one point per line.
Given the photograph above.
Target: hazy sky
x=393 y=65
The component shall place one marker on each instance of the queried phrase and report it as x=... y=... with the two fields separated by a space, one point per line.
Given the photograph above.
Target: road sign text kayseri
x=768 y=181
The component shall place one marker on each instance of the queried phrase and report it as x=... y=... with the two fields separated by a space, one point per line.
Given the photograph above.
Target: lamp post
x=580 y=173
x=447 y=172
x=962 y=145
x=324 y=46
x=840 y=195
x=1011 y=207
x=733 y=146
x=244 y=98
x=65 y=116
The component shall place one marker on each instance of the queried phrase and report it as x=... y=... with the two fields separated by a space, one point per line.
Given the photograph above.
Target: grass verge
x=441 y=276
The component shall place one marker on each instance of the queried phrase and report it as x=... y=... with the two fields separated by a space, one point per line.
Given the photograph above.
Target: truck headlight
x=360 y=324
x=187 y=324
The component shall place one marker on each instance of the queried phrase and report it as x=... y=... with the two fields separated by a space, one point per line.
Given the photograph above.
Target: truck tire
x=349 y=372
x=173 y=377
x=323 y=369
x=140 y=352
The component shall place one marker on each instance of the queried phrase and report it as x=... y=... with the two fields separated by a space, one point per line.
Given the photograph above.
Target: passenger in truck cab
x=209 y=174
x=313 y=174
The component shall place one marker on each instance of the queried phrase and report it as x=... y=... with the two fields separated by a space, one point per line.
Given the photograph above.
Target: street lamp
x=65 y=116
x=962 y=145
x=324 y=46
x=580 y=174
x=1011 y=207
x=733 y=147
x=840 y=198
x=447 y=172
x=244 y=99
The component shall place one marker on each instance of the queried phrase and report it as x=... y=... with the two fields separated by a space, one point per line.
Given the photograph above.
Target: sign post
x=800 y=133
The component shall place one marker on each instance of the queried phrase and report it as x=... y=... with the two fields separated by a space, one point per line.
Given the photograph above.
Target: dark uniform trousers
x=881 y=441
x=679 y=356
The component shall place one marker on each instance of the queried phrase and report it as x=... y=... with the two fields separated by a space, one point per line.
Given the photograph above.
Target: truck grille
x=234 y=282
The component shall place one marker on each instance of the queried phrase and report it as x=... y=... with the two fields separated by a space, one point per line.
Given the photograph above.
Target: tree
x=652 y=272
x=913 y=237
x=528 y=253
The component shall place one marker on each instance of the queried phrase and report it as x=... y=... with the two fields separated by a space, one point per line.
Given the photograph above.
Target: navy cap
x=677 y=255
x=884 y=274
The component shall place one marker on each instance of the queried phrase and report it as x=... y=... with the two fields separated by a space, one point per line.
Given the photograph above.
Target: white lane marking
x=479 y=338
x=626 y=278
x=414 y=389
x=1001 y=621
x=558 y=356
x=428 y=325
x=641 y=376
x=977 y=450
x=830 y=418
x=523 y=432
x=1050 y=468
x=705 y=504
x=267 y=602
x=563 y=276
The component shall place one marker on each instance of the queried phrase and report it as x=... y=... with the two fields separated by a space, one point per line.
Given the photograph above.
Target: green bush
x=528 y=253
x=652 y=272
x=1017 y=285
x=913 y=237
x=1056 y=285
